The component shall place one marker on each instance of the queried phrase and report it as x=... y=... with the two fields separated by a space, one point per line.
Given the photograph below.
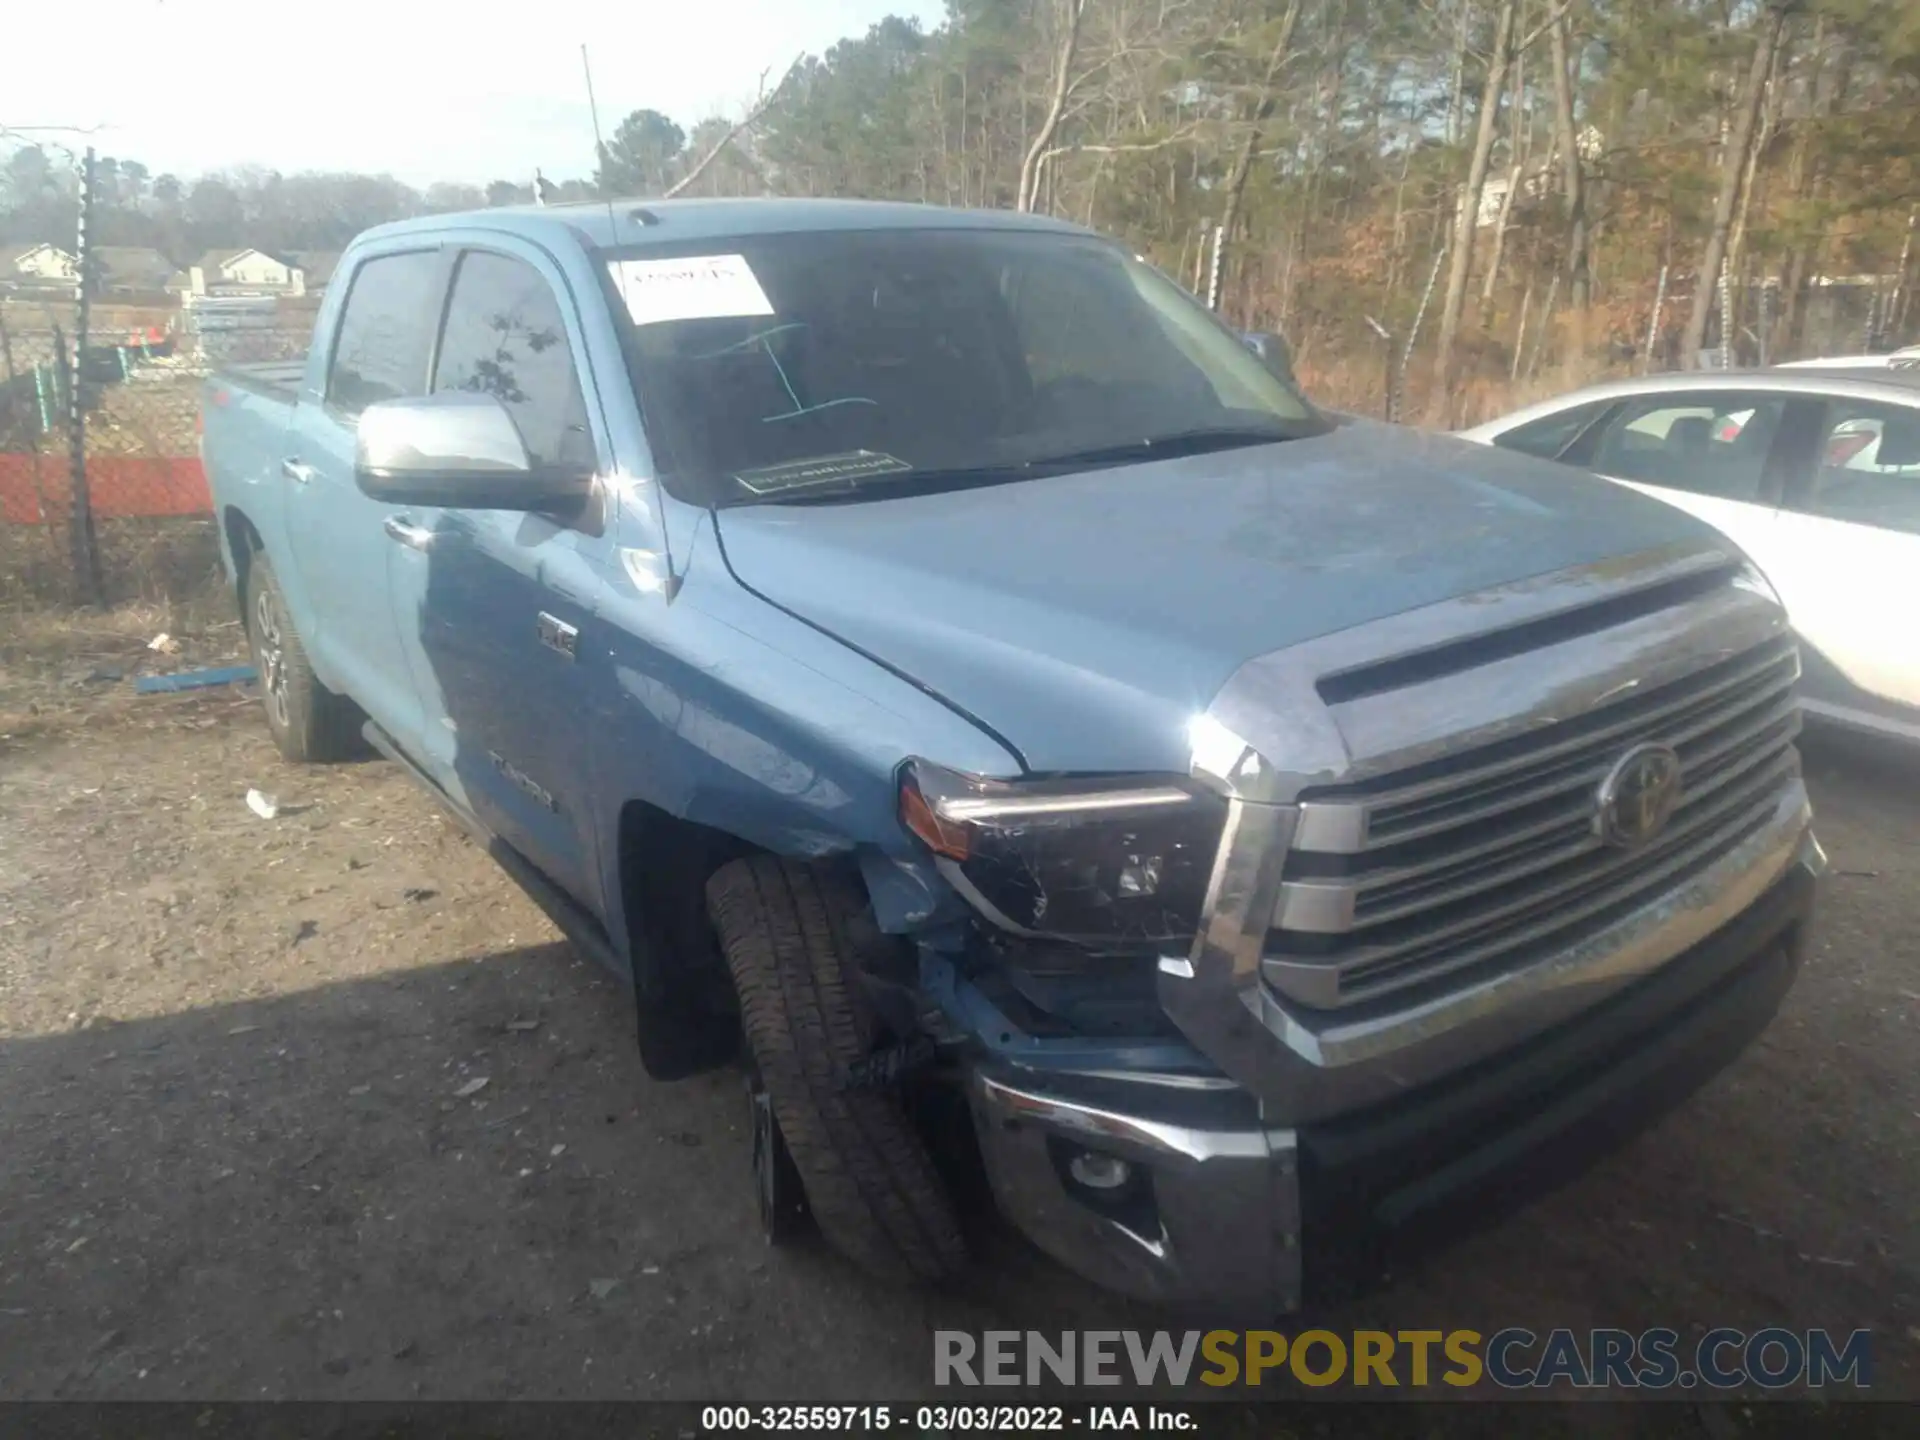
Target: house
x=317 y=266
x=131 y=269
x=240 y=272
x=32 y=265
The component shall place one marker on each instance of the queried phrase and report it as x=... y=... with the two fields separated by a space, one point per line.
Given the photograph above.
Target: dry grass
x=168 y=561
x=59 y=662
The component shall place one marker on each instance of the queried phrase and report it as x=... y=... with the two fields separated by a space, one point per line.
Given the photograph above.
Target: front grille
x=1490 y=856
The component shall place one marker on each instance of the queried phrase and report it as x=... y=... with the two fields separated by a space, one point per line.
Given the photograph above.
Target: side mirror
x=458 y=450
x=1273 y=352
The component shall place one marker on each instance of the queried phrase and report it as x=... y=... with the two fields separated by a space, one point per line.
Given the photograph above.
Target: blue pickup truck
x=952 y=677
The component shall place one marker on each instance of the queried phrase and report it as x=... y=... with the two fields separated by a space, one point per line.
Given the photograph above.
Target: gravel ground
x=320 y=1106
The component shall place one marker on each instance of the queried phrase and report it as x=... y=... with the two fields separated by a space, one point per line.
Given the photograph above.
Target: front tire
x=868 y=1179
x=308 y=722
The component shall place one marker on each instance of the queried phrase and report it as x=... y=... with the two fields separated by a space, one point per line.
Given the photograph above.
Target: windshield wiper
x=915 y=482
x=1170 y=447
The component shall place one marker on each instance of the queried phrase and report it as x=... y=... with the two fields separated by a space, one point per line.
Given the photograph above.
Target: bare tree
x=1733 y=170
x=1063 y=81
x=1467 y=218
x=1261 y=107
x=767 y=97
x=1572 y=170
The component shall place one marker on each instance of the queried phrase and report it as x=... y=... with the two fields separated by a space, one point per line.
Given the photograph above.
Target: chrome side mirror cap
x=458 y=450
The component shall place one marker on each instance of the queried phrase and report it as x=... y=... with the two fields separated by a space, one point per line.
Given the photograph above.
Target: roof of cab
x=625 y=223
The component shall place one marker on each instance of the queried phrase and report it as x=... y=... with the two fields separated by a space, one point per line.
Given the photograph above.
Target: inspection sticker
x=697 y=287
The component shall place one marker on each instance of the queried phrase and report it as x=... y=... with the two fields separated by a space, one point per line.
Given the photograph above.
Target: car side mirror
x=458 y=450
x=1273 y=351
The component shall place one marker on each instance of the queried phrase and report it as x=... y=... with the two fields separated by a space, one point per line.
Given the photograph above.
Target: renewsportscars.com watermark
x=1772 y=1358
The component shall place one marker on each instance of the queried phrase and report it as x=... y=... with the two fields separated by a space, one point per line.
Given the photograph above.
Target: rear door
x=338 y=537
x=1849 y=551
x=496 y=606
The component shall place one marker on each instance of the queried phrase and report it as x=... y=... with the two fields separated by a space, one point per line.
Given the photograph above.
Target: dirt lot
x=319 y=1106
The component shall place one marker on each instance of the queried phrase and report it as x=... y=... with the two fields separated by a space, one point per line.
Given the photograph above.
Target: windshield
x=850 y=364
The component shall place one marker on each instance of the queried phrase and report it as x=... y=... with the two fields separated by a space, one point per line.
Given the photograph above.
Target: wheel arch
x=243 y=542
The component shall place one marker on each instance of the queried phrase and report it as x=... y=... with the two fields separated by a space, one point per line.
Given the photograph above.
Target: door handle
x=414 y=537
x=297 y=472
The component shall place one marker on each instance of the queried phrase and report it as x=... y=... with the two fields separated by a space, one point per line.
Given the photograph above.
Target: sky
x=423 y=90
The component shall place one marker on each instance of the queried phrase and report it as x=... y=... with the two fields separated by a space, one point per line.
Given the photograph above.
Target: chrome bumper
x=1223 y=1225
x=1226 y=1206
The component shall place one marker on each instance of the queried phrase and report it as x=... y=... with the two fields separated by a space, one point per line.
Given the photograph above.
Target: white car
x=1910 y=355
x=1814 y=472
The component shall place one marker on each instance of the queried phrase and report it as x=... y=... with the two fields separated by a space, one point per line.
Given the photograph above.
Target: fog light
x=1099 y=1172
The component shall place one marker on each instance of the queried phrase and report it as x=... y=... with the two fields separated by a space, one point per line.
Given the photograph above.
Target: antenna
x=669 y=583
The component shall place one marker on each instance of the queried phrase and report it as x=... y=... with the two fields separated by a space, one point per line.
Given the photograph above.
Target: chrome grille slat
x=1392 y=812
x=1460 y=869
x=1402 y=888
x=1698 y=768
x=1559 y=919
x=1691 y=816
x=1366 y=972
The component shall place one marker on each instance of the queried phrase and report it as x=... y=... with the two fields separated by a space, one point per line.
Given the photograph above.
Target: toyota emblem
x=1638 y=796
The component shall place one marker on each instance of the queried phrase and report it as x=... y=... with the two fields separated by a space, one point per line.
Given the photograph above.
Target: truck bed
x=274 y=379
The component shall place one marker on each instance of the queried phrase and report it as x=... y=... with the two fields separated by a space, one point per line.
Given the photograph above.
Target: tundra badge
x=556 y=634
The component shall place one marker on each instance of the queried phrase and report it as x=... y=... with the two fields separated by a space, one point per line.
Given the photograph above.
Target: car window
x=380 y=352
x=504 y=336
x=1706 y=443
x=1869 y=465
x=1550 y=435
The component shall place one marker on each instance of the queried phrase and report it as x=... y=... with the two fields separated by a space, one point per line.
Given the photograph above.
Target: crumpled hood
x=1086 y=618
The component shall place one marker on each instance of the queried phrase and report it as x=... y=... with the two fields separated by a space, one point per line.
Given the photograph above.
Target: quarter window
x=1869 y=466
x=1550 y=435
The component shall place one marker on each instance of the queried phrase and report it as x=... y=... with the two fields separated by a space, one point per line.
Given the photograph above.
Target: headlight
x=1097 y=861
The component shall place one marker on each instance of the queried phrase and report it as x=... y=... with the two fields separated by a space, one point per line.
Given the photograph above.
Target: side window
x=505 y=337
x=1712 y=443
x=1550 y=435
x=380 y=352
x=1869 y=465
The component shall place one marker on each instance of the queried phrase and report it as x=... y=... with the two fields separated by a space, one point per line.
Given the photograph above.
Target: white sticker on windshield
x=699 y=287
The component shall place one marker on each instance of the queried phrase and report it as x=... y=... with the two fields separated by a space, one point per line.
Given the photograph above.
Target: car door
x=338 y=536
x=495 y=605
x=1720 y=455
x=1849 y=551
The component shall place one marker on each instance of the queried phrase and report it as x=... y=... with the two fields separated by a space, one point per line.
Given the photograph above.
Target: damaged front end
x=1387 y=954
x=1106 y=1136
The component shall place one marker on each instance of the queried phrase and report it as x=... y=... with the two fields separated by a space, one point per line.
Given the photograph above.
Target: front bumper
x=1227 y=1211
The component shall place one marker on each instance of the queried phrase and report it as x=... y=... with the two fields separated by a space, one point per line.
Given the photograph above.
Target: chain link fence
x=99 y=407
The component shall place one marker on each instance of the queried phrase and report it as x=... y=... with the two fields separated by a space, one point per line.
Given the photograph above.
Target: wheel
x=308 y=721
x=776 y=1182
x=867 y=1178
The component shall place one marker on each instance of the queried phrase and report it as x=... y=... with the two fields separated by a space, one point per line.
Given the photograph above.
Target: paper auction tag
x=698 y=287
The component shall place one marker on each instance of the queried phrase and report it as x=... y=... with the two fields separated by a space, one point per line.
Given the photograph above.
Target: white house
x=37 y=265
x=244 y=271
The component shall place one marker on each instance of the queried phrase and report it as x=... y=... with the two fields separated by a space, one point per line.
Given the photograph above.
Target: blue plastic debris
x=195 y=679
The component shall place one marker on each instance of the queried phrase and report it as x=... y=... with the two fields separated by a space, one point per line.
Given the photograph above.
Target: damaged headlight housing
x=1099 y=861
